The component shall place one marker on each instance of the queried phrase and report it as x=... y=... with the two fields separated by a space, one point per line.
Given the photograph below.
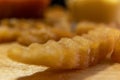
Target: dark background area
x=26 y=8
x=60 y=2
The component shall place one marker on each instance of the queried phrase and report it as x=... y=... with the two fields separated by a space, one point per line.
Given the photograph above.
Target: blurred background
x=26 y=8
x=80 y=10
x=58 y=2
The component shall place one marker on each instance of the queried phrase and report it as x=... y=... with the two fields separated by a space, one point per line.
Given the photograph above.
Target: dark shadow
x=58 y=2
x=68 y=74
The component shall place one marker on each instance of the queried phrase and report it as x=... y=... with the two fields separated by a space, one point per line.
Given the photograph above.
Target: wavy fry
x=76 y=53
x=30 y=31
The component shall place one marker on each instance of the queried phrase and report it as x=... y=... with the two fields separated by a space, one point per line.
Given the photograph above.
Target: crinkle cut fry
x=30 y=31
x=76 y=53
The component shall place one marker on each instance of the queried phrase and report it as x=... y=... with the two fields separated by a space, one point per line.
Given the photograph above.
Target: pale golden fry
x=36 y=36
x=84 y=27
x=75 y=53
x=31 y=31
x=17 y=23
x=42 y=35
x=116 y=54
x=7 y=34
x=57 y=16
x=62 y=33
x=105 y=40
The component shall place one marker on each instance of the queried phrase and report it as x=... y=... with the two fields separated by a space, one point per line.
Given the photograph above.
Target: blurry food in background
x=22 y=8
x=27 y=31
x=55 y=14
x=31 y=31
x=58 y=16
x=22 y=24
x=85 y=27
x=100 y=11
x=34 y=35
x=62 y=33
x=8 y=34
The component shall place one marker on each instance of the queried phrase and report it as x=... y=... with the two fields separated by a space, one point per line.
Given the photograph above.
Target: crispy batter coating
x=76 y=53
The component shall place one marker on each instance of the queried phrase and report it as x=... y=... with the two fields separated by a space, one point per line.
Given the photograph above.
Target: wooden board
x=10 y=70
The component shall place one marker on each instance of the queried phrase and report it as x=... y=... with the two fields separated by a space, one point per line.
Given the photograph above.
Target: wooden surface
x=10 y=70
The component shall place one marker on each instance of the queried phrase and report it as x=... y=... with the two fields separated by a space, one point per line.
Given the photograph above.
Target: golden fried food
x=11 y=70
x=57 y=16
x=31 y=31
x=60 y=33
x=22 y=24
x=116 y=54
x=84 y=27
x=76 y=53
x=8 y=34
x=42 y=35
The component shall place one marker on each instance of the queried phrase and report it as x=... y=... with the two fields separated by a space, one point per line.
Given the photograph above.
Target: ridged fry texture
x=76 y=53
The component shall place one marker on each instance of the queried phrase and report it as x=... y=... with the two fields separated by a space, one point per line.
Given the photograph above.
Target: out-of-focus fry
x=7 y=34
x=31 y=31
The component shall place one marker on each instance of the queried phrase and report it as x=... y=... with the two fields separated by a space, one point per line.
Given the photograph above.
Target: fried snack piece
x=76 y=53
x=57 y=16
x=42 y=35
x=31 y=31
x=60 y=33
x=22 y=24
x=116 y=54
x=8 y=34
x=84 y=27
x=36 y=35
